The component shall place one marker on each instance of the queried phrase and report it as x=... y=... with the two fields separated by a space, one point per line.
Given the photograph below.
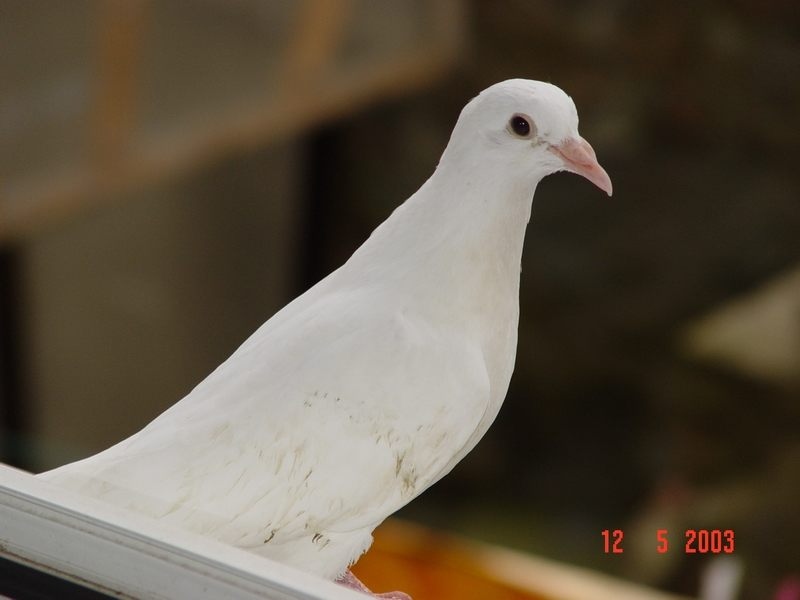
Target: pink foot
x=351 y=581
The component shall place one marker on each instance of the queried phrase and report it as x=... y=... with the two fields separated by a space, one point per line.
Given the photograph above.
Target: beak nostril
x=586 y=146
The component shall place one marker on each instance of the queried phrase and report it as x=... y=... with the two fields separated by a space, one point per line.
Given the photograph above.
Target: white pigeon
x=368 y=388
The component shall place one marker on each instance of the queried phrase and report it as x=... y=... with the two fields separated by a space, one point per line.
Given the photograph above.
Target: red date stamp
x=695 y=541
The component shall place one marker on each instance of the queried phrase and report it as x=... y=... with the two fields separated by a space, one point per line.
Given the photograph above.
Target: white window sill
x=123 y=554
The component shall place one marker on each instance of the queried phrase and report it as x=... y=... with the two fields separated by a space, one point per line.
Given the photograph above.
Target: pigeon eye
x=520 y=126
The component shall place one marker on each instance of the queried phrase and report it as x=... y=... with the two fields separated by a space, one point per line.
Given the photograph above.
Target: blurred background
x=172 y=173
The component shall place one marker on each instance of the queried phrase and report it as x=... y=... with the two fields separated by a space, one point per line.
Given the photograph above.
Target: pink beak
x=579 y=158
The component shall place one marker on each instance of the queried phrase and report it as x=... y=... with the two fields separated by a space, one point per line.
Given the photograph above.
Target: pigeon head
x=526 y=128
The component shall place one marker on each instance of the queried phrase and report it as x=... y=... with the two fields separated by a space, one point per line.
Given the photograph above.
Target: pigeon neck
x=464 y=227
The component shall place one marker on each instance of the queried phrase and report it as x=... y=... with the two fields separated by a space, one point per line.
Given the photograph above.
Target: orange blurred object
x=431 y=565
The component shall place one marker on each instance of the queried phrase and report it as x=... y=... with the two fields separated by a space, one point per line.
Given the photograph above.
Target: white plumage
x=371 y=386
